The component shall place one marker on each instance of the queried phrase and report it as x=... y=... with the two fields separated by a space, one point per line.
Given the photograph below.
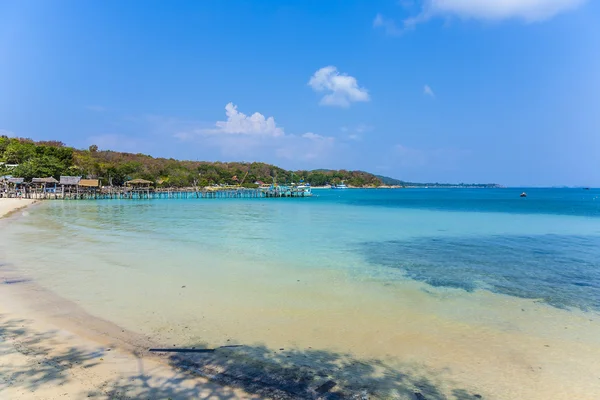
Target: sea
x=386 y=293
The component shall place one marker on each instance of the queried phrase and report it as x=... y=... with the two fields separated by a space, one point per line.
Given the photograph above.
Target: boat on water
x=339 y=186
x=305 y=189
x=523 y=194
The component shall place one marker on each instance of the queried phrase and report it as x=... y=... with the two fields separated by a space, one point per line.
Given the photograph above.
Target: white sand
x=8 y=206
x=50 y=349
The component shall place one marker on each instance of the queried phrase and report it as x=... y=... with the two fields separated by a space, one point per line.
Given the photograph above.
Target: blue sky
x=500 y=91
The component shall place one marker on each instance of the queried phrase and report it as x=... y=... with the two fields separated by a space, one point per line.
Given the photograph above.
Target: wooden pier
x=124 y=193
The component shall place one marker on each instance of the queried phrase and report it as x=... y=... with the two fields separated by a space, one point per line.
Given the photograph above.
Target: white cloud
x=240 y=124
x=528 y=10
x=343 y=89
x=428 y=91
x=491 y=10
x=248 y=137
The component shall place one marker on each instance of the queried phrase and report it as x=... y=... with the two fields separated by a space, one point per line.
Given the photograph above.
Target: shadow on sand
x=256 y=370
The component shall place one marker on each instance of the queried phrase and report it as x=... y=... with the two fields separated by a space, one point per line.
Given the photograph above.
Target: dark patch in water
x=15 y=281
x=563 y=271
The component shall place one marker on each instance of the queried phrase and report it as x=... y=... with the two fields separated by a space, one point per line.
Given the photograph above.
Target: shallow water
x=467 y=287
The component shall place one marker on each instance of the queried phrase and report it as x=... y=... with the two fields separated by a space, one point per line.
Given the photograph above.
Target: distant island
x=28 y=159
x=396 y=182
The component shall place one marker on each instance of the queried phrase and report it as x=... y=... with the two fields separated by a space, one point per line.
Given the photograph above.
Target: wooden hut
x=139 y=183
x=69 y=185
x=16 y=187
x=139 y=186
x=45 y=185
x=3 y=186
x=89 y=187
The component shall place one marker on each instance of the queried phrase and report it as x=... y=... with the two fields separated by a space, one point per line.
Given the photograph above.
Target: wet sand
x=9 y=206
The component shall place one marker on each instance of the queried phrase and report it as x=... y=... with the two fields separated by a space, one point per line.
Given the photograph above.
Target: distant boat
x=305 y=188
x=523 y=194
x=339 y=186
x=586 y=188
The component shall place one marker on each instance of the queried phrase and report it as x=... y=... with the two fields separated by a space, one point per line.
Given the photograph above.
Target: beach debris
x=326 y=387
x=193 y=349
x=15 y=281
x=183 y=287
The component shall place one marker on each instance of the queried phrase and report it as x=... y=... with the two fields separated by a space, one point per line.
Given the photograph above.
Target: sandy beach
x=392 y=341
x=51 y=349
x=9 y=206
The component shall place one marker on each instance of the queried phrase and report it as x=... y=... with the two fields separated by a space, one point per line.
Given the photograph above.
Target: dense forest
x=28 y=159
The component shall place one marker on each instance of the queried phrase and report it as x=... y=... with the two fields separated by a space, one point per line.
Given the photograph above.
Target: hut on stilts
x=89 y=188
x=139 y=188
x=44 y=187
x=69 y=186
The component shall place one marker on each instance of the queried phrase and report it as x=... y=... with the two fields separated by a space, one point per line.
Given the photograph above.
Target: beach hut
x=69 y=184
x=89 y=186
x=140 y=186
x=139 y=183
x=4 y=185
x=16 y=187
x=45 y=185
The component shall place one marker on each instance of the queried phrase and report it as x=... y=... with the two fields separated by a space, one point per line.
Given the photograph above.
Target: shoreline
x=424 y=350
x=11 y=206
x=51 y=348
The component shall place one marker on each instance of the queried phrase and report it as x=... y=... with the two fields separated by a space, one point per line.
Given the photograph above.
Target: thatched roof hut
x=89 y=183
x=49 y=180
x=16 y=181
x=70 y=180
x=138 y=182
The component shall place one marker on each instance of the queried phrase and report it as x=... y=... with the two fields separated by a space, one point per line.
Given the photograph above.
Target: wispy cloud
x=427 y=91
x=95 y=108
x=528 y=10
x=356 y=133
x=254 y=137
x=388 y=25
x=342 y=89
x=491 y=10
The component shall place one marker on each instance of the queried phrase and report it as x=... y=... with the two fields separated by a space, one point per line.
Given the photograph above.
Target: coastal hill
x=29 y=159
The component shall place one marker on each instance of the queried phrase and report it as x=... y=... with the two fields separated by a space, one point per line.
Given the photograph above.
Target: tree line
x=29 y=159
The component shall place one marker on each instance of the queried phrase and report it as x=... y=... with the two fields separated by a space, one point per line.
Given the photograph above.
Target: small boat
x=523 y=194
x=305 y=189
x=339 y=186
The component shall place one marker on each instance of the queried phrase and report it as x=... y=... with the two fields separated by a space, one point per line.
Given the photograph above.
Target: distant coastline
x=29 y=161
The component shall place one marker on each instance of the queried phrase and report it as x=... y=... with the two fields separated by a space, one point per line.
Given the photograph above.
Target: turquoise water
x=247 y=265
x=545 y=246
